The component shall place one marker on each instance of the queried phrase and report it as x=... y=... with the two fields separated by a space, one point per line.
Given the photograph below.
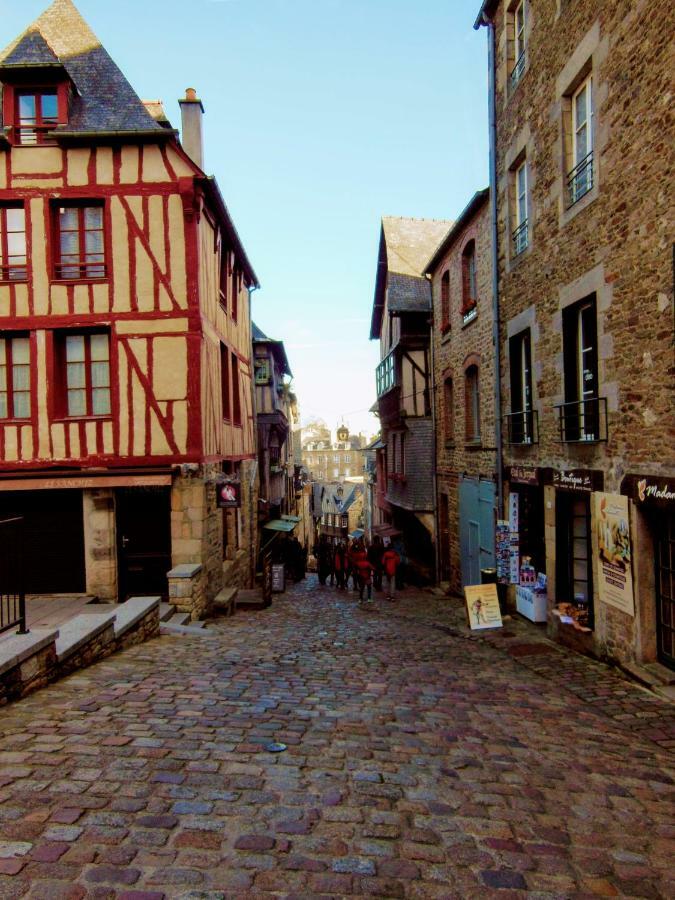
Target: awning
x=385 y=531
x=279 y=525
x=378 y=445
x=357 y=533
x=295 y=519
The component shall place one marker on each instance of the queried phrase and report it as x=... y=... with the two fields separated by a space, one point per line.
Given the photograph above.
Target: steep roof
x=104 y=101
x=277 y=348
x=405 y=247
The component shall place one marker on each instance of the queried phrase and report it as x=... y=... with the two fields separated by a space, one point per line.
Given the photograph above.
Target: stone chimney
x=192 y=112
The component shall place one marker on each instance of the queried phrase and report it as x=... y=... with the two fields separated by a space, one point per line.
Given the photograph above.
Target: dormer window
x=37 y=113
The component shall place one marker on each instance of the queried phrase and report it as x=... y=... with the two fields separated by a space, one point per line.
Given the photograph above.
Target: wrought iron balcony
x=517 y=71
x=583 y=421
x=580 y=180
x=520 y=238
x=523 y=427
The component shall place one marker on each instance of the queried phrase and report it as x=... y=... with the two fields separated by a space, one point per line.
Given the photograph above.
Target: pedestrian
x=375 y=552
x=324 y=559
x=390 y=564
x=339 y=564
x=352 y=567
x=364 y=572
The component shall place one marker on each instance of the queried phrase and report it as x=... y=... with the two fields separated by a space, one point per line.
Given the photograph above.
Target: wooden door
x=143 y=517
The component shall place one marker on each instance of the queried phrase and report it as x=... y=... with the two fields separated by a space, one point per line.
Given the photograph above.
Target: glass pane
x=16 y=220
x=93 y=243
x=101 y=402
x=20 y=378
x=22 y=405
x=77 y=403
x=75 y=375
x=20 y=350
x=93 y=217
x=70 y=245
x=98 y=344
x=75 y=348
x=100 y=374
x=580 y=108
x=3 y=405
x=68 y=219
x=2 y=351
x=27 y=109
x=50 y=107
x=16 y=246
x=3 y=378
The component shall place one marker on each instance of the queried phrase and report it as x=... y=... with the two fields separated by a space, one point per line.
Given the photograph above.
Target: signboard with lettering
x=228 y=495
x=613 y=552
x=514 y=539
x=482 y=606
x=583 y=480
x=502 y=548
x=278 y=578
x=649 y=489
x=523 y=475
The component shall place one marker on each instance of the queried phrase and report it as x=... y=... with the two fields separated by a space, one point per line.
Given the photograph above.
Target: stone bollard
x=187 y=590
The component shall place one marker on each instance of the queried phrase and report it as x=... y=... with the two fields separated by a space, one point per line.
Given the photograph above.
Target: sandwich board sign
x=482 y=606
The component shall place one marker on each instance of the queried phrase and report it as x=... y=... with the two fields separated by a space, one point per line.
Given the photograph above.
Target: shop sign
x=482 y=606
x=523 y=475
x=575 y=480
x=613 y=552
x=652 y=489
x=228 y=494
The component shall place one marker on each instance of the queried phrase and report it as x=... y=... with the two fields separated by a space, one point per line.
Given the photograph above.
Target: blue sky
x=321 y=116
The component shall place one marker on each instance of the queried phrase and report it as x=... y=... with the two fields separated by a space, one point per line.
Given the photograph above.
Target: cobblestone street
x=421 y=762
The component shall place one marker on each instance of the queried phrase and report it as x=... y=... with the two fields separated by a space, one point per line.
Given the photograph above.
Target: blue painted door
x=476 y=527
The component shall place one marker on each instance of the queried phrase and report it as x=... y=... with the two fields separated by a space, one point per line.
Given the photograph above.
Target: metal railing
x=517 y=71
x=520 y=238
x=580 y=180
x=523 y=427
x=583 y=421
x=12 y=593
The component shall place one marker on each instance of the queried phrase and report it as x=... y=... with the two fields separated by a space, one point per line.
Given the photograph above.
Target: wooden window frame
x=225 y=382
x=449 y=409
x=6 y=268
x=469 y=278
x=85 y=276
x=445 y=302
x=472 y=405
x=9 y=365
x=60 y=381
x=236 y=390
x=42 y=126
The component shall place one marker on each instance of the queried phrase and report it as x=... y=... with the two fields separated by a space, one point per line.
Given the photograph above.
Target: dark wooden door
x=143 y=541
x=665 y=588
x=53 y=539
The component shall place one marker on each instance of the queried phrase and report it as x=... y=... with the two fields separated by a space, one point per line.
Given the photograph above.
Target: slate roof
x=405 y=247
x=104 y=102
x=278 y=349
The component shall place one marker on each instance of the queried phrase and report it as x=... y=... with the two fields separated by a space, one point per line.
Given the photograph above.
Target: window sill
x=473 y=445
x=4 y=282
x=104 y=280
x=18 y=422
x=62 y=420
x=569 y=212
x=450 y=445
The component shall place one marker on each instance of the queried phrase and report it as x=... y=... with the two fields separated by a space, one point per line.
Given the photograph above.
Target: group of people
x=367 y=567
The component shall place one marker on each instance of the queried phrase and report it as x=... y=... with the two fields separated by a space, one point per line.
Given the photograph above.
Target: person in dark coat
x=340 y=564
x=324 y=558
x=375 y=552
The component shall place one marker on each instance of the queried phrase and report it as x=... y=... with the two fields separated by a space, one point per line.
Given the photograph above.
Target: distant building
x=326 y=460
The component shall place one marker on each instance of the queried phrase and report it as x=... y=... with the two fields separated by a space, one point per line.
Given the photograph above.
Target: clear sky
x=321 y=116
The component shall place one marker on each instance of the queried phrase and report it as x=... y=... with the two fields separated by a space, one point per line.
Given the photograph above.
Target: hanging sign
x=228 y=495
x=612 y=552
x=583 y=480
x=482 y=606
x=523 y=475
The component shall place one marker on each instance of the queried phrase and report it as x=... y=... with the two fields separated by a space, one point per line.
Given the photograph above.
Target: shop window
x=14 y=377
x=472 y=406
x=236 y=391
x=225 y=381
x=521 y=419
x=13 y=248
x=580 y=415
x=531 y=524
x=469 y=289
x=574 y=568
x=445 y=303
x=448 y=410
x=84 y=369
x=79 y=242
x=36 y=114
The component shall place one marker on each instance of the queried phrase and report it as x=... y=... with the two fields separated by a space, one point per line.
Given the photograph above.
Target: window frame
x=517 y=39
x=225 y=382
x=449 y=409
x=5 y=266
x=42 y=125
x=445 y=302
x=469 y=307
x=10 y=391
x=61 y=405
x=520 y=377
x=520 y=234
x=236 y=391
x=581 y=367
x=472 y=404
x=580 y=179
x=81 y=206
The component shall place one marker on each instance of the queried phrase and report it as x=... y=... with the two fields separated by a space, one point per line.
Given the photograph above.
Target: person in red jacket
x=364 y=571
x=390 y=563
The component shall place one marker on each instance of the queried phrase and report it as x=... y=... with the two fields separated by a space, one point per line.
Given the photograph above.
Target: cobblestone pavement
x=421 y=762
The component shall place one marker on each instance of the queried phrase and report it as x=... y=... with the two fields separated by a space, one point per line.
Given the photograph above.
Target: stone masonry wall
x=98 y=510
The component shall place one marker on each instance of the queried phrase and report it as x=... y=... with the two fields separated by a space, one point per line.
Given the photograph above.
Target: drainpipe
x=496 y=340
x=434 y=450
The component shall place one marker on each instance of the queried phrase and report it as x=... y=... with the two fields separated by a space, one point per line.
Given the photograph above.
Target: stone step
x=225 y=601
x=166 y=610
x=19 y=647
x=179 y=619
x=81 y=630
x=250 y=599
x=196 y=629
x=134 y=609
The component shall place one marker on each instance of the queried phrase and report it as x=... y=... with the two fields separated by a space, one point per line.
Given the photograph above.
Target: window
x=236 y=396
x=37 y=113
x=520 y=232
x=469 y=290
x=236 y=284
x=521 y=425
x=448 y=410
x=445 y=302
x=574 y=569
x=14 y=377
x=518 y=44
x=472 y=406
x=347 y=458
x=80 y=250
x=225 y=380
x=336 y=473
x=580 y=178
x=13 y=260
x=336 y=457
x=87 y=374
x=385 y=375
x=580 y=412
x=224 y=271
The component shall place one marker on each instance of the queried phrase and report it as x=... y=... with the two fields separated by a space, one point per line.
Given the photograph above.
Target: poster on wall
x=514 y=540
x=228 y=495
x=612 y=552
x=502 y=547
x=482 y=606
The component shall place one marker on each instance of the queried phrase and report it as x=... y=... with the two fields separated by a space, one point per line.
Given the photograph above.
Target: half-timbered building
x=125 y=363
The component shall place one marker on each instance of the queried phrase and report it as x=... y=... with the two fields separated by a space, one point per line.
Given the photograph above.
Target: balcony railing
x=385 y=375
x=583 y=421
x=523 y=427
x=580 y=180
x=517 y=71
x=12 y=595
x=520 y=238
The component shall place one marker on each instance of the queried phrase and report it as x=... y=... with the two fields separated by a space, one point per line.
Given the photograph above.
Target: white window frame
x=521 y=238
x=587 y=85
x=519 y=31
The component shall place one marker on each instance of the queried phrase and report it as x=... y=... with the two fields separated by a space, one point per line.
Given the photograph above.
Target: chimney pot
x=192 y=113
x=190 y=94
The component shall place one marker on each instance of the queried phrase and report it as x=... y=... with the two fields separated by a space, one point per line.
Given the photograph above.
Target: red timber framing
x=152 y=302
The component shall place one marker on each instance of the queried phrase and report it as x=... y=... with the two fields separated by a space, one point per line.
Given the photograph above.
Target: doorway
x=665 y=588
x=444 y=536
x=143 y=520
x=477 y=500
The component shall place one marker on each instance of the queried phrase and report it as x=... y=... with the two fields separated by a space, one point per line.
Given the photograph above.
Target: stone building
x=327 y=460
x=584 y=186
x=464 y=382
x=125 y=338
x=404 y=489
